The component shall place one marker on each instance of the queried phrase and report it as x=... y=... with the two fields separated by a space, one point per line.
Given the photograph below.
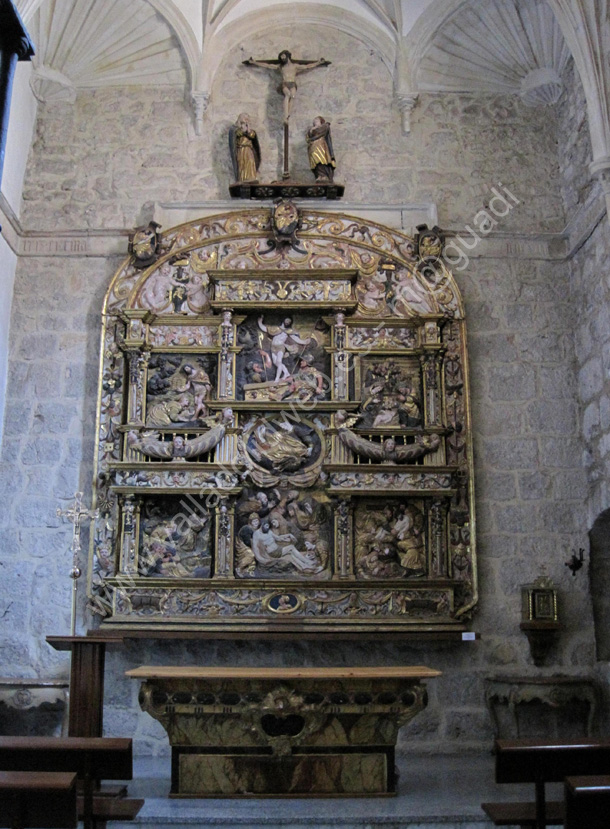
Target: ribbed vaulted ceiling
x=513 y=46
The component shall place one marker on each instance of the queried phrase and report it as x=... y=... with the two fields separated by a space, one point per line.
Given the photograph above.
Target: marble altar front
x=238 y=732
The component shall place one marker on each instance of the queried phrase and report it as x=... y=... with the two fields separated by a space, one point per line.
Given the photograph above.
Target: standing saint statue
x=289 y=69
x=320 y=150
x=245 y=149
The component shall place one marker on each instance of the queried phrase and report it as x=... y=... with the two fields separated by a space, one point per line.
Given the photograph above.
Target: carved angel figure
x=388 y=451
x=179 y=448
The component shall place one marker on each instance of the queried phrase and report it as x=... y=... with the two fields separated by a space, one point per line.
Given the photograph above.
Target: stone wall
x=95 y=164
x=590 y=288
x=98 y=164
x=590 y=299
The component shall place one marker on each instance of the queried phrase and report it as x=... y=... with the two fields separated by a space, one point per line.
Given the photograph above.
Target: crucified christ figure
x=289 y=69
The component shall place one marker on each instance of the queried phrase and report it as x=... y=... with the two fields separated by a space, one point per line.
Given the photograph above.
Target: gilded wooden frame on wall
x=284 y=432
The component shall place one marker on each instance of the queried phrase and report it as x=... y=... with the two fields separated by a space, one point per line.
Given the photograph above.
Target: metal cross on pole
x=76 y=514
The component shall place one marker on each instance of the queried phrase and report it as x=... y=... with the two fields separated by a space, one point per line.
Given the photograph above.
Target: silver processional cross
x=76 y=514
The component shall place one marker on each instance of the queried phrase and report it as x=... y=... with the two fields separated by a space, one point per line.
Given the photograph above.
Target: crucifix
x=76 y=514
x=288 y=69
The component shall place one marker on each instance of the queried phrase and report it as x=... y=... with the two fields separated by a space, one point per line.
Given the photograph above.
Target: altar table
x=243 y=732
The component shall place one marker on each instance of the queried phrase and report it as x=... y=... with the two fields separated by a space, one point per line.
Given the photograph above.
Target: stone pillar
x=15 y=45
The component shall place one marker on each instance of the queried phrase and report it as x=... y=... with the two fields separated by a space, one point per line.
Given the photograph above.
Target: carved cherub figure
x=180 y=448
x=388 y=451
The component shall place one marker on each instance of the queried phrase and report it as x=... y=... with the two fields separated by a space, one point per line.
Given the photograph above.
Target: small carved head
x=284 y=56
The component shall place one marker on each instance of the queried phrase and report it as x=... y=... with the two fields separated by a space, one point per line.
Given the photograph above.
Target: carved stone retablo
x=284 y=437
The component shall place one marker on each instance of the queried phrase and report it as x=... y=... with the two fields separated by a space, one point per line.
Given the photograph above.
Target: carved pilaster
x=438 y=537
x=130 y=518
x=344 y=524
x=225 y=386
x=431 y=370
x=225 y=518
x=340 y=365
x=137 y=362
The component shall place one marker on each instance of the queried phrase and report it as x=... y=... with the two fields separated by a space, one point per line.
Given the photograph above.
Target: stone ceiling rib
x=498 y=46
x=103 y=43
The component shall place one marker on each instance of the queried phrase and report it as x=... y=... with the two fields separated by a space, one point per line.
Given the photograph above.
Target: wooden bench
x=91 y=758
x=539 y=762
x=38 y=799
x=587 y=802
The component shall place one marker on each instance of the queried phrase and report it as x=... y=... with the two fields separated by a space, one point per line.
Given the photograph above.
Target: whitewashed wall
x=19 y=140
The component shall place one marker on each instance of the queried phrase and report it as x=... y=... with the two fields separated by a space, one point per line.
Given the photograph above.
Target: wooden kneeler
x=540 y=762
x=91 y=758
x=30 y=799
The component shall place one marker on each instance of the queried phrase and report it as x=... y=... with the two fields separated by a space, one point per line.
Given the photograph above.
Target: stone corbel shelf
x=283 y=732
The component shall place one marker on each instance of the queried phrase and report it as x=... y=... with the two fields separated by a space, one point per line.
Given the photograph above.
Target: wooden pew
x=539 y=762
x=587 y=802
x=91 y=758
x=38 y=799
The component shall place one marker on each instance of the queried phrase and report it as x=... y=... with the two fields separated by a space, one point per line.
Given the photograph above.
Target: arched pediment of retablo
x=390 y=279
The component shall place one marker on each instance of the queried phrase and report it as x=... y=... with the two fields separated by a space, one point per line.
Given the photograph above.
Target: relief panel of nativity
x=284 y=432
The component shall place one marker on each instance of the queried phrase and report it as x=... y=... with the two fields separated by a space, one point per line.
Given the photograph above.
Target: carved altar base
x=240 y=732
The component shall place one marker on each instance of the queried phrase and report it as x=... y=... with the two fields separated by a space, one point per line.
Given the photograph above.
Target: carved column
x=138 y=361
x=344 y=524
x=438 y=537
x=340 y=371
x=15 y=45
x=431 y=362
x=225 y=519
x=130 y=521
x=137 y=352
x=225 y=385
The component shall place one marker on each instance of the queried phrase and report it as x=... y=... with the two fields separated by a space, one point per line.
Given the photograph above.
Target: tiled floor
x=434 y=791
